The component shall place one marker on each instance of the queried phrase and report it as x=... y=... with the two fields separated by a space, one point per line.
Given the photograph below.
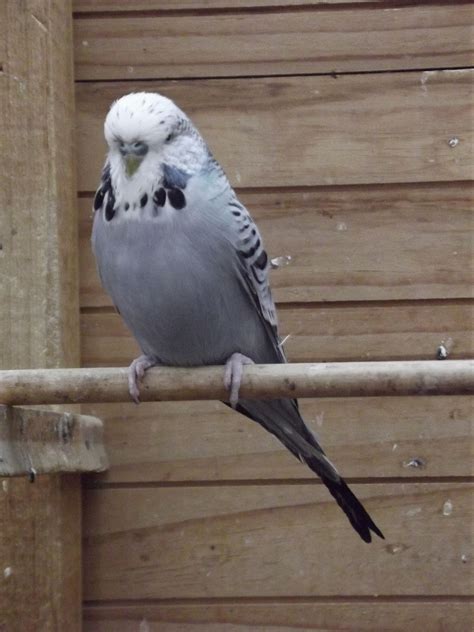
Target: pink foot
x=136 y=371
x=233 y=375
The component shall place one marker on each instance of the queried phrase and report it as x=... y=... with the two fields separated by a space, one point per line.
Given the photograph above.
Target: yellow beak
x=132 y=162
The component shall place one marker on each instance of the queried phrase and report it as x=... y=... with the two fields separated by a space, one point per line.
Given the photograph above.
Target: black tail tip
x=354 y=510
x=365 y=531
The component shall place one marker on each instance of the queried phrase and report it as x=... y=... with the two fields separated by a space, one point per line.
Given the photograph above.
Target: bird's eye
x=169 y=137
x=140 y=148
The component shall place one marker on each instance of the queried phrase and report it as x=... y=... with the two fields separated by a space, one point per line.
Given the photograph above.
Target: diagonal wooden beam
x=44 y=442
x=340 y=379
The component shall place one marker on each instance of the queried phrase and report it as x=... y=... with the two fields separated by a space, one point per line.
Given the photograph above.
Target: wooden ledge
x=45 y=442
x=343 y=379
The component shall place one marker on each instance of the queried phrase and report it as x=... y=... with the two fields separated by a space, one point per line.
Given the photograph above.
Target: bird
x=185 y=266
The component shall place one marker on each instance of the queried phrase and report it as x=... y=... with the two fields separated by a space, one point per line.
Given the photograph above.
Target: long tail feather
x=281 y=418
x=351 y=506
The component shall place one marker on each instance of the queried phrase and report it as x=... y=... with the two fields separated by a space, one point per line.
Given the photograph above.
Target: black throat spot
x=177 y=199
x=159 y=197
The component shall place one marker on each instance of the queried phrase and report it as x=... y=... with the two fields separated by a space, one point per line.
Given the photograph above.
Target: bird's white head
x=142 y=125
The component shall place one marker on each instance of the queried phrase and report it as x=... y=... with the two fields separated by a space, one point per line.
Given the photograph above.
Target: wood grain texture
x=280 y=43
x=98 y=6
x=259 y=381
x=40 y=581
x=411 y=331
x=268 y=541
x=354 y=243
x=206 y=441
x=306 y=131
x=38 y=258
x=40 y=523
x=44 y=442
x=274 y=616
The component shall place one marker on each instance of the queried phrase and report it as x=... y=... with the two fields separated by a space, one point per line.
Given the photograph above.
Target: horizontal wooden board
x=411 y=331
x=352 y=243
x=305 y=131
x=275 y=541
x=98 y=6
x=283 y=617
x=47 y=442
x=206 y=441
x=347 y=616
x=280 y=43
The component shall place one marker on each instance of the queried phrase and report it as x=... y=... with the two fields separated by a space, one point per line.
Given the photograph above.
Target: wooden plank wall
x=347 y=129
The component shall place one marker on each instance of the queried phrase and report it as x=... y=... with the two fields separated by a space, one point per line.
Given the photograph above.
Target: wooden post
x=40 y=522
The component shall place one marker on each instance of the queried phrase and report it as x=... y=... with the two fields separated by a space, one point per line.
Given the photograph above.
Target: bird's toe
x=233 y=375
x=133 y=389
x=136 y=371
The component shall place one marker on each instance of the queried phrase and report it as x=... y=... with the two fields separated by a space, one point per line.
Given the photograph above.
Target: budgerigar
x=185 y=266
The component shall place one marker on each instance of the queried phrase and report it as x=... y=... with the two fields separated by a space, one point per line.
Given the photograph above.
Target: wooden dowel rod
x=343 y=379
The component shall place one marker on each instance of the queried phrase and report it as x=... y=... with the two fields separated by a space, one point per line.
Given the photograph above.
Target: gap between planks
x=333 y=74
x=268 y=10
x=261 y=482
x=334 y=187
x=187 y=601
x=434 y=302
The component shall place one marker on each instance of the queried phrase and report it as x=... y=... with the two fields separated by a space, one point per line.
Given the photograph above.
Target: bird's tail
x=282 y=418
x=349 y=503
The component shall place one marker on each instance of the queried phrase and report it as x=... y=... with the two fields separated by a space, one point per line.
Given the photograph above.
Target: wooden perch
x=344 y=379
x=45 y=442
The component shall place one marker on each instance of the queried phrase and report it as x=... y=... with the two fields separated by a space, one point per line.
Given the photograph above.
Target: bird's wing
x=212 y=196
x=252 y=266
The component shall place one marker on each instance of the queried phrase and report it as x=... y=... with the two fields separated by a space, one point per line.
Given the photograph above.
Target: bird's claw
x=136 y=371
x=233 y=375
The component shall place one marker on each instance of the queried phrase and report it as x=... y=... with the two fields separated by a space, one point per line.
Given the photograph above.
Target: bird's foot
x=233 y=375
x=136 y=371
